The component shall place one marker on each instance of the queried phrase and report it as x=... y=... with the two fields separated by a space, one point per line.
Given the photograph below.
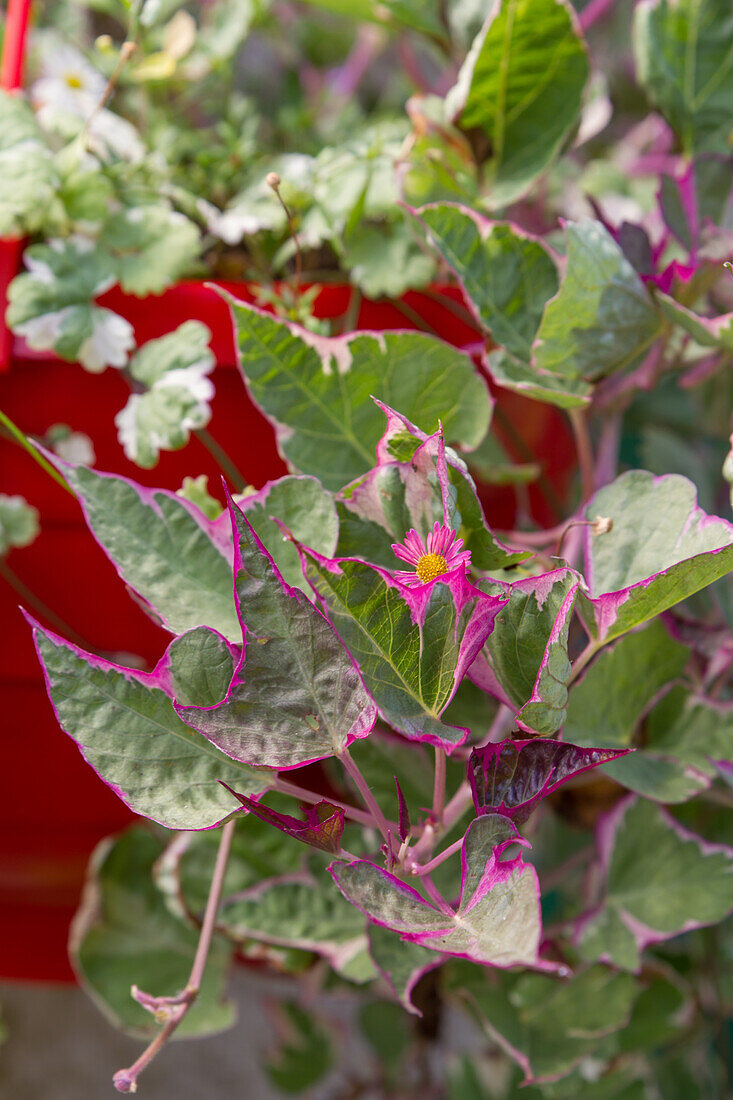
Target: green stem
x=20 y=438
x=222 y=460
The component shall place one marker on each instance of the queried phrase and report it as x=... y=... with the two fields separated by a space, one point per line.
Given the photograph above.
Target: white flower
x=67 y=82
x=190 y=379
x=111 y=341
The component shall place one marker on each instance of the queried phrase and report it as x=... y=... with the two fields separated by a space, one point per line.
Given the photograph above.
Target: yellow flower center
x=73 y=81
x=431 y=566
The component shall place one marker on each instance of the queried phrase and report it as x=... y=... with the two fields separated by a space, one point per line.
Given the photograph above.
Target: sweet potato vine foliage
x=440 y=763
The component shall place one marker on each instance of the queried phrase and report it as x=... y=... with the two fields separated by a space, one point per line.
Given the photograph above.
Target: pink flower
x=440 y=553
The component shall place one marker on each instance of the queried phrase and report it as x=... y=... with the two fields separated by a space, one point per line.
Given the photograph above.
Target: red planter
x=53 y=808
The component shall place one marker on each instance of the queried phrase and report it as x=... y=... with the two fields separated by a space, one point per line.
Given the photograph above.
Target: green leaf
x=258 y=853
x=547 y=1026
x=305 y=1057
x=302 y=910
x=296 y=696
x=196 y=491
x=150 y=247
x=163 y=548
x=602 y=318
x=386 y=260
x=28 y=181
x=124 y=933
x=683 y=57
x=51 y=304
x=522 y=84
x=527 y=379
x=308 y=512
x=126 y=728
x=19 y=524
x=412 y=646
x=646 y=858
x=524 y=661
x=607 y=705
x=318 y=391
x=662 y=548
x=507 y=276
x=400 y=963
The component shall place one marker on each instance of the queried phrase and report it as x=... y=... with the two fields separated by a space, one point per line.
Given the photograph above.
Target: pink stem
x=125 y=1080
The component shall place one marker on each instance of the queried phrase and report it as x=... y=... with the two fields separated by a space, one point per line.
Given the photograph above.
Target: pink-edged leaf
x=126 y=727
x=709 y=332
x=412 y=645
x=512 y=777
x=322 y=825
x=162 y=546
x=497 y=921
x=417 y=482
x=524 y=662
x=403 y=818
x=402 y=964
x=659 y=880
x=296 y=695
x=662 y=549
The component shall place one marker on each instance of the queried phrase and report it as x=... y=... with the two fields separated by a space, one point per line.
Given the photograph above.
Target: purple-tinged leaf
x=524 y=662
x=512 y=777
x=403 y=818
x=724 y=768
x=412 y=645
x=498 y=920
x=658 y=880
x=696 y=200
x=322 y=825
x=127 y=729
x=296 y=695
x=662 y=548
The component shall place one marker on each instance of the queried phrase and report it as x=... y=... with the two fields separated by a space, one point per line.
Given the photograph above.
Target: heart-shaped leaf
x=296 y=695
x=317 y=391
x=506 y=275
x=647 y=858
x=162 y=546
x=498 y=919
x=662 y=548
x=401 y=963
x=123 y=929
